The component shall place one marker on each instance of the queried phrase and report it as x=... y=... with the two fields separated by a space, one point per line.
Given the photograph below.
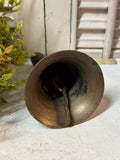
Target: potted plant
x=11 y=52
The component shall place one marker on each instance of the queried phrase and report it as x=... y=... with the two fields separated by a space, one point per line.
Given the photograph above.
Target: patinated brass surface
x=84 y=83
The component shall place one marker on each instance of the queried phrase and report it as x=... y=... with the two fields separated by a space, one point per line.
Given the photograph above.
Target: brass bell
x=84 y=84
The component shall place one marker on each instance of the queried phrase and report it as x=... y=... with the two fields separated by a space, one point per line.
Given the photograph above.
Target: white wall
x=53 y=17
x=51 y=25
x=32 y=14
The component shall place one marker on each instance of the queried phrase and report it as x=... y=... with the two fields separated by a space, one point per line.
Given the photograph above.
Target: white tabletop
x=23 y=138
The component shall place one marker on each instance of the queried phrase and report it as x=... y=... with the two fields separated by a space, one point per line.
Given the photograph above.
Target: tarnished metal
x=64 y=89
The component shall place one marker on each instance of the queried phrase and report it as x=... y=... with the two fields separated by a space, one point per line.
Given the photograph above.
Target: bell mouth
x=83 y=81
x=57 y=76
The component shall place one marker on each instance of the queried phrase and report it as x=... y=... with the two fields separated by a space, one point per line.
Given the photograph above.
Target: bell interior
x=63 y=74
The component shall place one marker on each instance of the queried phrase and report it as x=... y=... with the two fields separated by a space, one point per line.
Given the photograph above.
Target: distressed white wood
x=116 y=44
x=117 y=34
x=110 y=28
x=90 y=44
x=92 y=20
x=118 y=12
x=57 y=25
x=116 y=38
x=99 y=51
x=73 y=24
x=102 y=4
x=116 y=53
x=61 y=24
x=117 y=24
x=92 y=15
x=91 y=25
x=32 y=14
x=23 y=138
x=94 y=53
x=90 y=34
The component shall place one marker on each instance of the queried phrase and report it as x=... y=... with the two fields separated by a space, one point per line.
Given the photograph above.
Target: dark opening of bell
x=57 y=76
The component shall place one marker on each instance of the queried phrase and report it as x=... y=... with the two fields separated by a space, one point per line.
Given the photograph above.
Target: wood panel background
x=90 y=26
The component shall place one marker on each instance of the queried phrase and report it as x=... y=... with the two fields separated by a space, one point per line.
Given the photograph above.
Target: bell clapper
x=66 y=102
x=67 y=107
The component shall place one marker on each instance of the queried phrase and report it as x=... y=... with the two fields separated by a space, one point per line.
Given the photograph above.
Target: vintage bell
x=84 y=83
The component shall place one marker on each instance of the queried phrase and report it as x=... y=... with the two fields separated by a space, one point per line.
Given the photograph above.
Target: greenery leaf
x=18 y=2
x=8 y=49
x=1 y=53
x=11 y=2
x=16 y=37
x=3 y=83
x=18 y=27
x=32 y=54
x=19 y=41
x=14 y=2
x=7 y=28
x=2 y=3
x=6 y=58
x=2 y=46
x=7 y=76
x=21 y=82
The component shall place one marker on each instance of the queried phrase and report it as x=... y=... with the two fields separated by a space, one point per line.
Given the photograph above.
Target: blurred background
x=90 y=26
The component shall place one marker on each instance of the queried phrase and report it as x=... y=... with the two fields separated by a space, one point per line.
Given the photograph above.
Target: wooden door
x=46 y=25
x=90 y=26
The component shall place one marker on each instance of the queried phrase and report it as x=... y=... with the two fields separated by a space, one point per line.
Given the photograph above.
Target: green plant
x=10 y=47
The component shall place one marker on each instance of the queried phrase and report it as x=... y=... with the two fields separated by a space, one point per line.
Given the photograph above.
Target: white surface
x=23 y=138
